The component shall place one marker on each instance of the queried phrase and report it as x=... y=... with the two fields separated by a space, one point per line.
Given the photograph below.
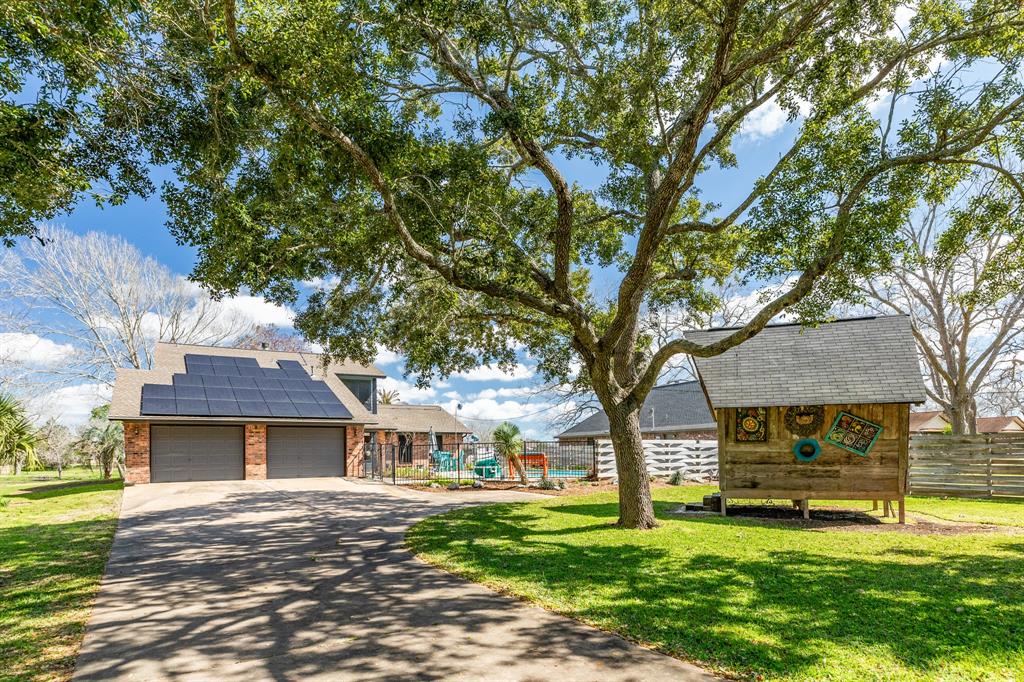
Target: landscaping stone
x=453 y=486
x=478 y=484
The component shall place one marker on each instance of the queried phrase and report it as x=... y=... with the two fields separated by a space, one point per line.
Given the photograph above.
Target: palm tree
x=18 y=439
x=103 y=439
x=509 y=441
x=386 y=397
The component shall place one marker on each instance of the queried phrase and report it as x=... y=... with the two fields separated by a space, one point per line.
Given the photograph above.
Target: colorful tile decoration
x=853 y=433
x=751 y=424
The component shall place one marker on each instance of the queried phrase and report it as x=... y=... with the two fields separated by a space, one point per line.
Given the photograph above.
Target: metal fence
x=468 y=462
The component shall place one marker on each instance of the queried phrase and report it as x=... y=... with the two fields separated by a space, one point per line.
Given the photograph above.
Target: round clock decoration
x=803 y=420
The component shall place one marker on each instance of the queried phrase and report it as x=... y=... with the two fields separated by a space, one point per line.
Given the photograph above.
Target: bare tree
x=964 y=340
x=97 y=293
x=272 y=337
x=1005 y=394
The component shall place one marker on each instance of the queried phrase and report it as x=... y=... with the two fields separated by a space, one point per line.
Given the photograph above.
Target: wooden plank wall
x=967 y=466
x=771 y=470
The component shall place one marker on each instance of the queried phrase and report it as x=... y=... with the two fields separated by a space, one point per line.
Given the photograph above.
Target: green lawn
x=54 y=540
x=751 y=599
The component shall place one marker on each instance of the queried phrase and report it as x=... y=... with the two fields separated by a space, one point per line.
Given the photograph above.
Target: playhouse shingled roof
x=860 y=360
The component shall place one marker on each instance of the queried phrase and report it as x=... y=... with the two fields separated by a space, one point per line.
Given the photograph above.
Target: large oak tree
x=422 y=153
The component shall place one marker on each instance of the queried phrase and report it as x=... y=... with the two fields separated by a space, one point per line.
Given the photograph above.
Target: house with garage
x=674 y=411
x=207 y=413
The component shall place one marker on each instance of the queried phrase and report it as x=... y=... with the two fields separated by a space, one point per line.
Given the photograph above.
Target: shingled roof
x=860 y=360
x=671 y=407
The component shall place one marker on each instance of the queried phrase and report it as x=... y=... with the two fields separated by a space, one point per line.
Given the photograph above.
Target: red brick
x=136 y=452
x=255 y=451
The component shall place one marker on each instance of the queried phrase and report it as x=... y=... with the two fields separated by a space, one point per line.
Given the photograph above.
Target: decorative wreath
x=807 y=450
x=803 y=420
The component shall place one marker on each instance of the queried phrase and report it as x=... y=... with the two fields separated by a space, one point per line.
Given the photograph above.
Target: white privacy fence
x=697 y=460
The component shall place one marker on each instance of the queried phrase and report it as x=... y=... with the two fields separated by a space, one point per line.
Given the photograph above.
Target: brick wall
x=136 y=451
x=354 y=450
x=255 y=451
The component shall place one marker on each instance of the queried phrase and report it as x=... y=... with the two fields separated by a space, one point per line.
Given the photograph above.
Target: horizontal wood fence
x=696 y=459
x=967 y=466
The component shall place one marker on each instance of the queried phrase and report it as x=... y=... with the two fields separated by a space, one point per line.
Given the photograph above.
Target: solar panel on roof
x=310 y=410
x=274 y=394
x=193 y=408
x=219 y=393
x=224 y=408
x=254 y=408
x=335 y=410
x=248 y=394
x=158 y=406
x=157 y=391
x=227 y=386
x=282 y=409
x=190 y=393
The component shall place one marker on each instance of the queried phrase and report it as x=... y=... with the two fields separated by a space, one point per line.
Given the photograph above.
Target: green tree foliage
x=102 y=440
x=509 y=442
x=58 y=139
x=421 y=155
x=18 y=437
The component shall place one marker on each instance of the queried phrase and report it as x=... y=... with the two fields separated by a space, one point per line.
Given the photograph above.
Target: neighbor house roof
x=671 y=407
x=169 y=359
x=1001 y=424
x=420 y=419
x=860 y=360
x=929 y=421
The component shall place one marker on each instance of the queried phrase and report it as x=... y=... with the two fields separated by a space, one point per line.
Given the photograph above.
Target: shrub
x=547 y=484
x=676 y=478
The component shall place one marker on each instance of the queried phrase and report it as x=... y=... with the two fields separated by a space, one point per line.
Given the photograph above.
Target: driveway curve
x=309 y=579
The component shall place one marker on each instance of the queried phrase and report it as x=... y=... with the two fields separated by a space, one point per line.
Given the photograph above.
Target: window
x=364 y=389
x=404 y=450
x=440 y=441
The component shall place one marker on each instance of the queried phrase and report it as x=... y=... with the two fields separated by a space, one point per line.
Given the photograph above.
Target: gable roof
x=670 y=407
x=860 y=360
x=919 y=420
x=420 y=419
x=1003 y=423
x=169 y=359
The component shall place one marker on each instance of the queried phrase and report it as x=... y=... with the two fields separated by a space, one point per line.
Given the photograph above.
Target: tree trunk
x=636 y=510
x=517 y=464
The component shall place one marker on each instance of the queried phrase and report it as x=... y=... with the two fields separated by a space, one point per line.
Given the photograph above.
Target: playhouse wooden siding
x=770 y=470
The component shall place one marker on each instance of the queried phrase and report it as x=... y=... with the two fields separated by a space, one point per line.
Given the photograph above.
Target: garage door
x=196 y=453
x=304 y=451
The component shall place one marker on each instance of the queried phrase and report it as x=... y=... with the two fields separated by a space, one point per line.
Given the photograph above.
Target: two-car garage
x=217 y=453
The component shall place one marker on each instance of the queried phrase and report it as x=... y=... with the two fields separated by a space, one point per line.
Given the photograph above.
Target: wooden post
x=903 y=510
x=805 y=507
x=723 y=503
x=874 y=505
x=885 y=508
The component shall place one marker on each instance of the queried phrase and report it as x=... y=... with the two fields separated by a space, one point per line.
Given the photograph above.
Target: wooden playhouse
x=810 y=413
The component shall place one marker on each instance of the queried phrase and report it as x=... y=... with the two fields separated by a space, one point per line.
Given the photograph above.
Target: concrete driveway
x=309 y=579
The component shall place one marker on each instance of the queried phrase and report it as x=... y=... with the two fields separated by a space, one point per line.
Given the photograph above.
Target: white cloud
x=503 y=392
x=33 y=350
x=71 y=405
x=489 y=373
x=322 y=283
x=407 y=392
x=764 y=121
x=386 y=357
x=259 y=310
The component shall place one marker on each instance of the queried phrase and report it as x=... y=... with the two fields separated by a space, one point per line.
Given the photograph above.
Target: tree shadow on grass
x=786 y=612
x=44 y=492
